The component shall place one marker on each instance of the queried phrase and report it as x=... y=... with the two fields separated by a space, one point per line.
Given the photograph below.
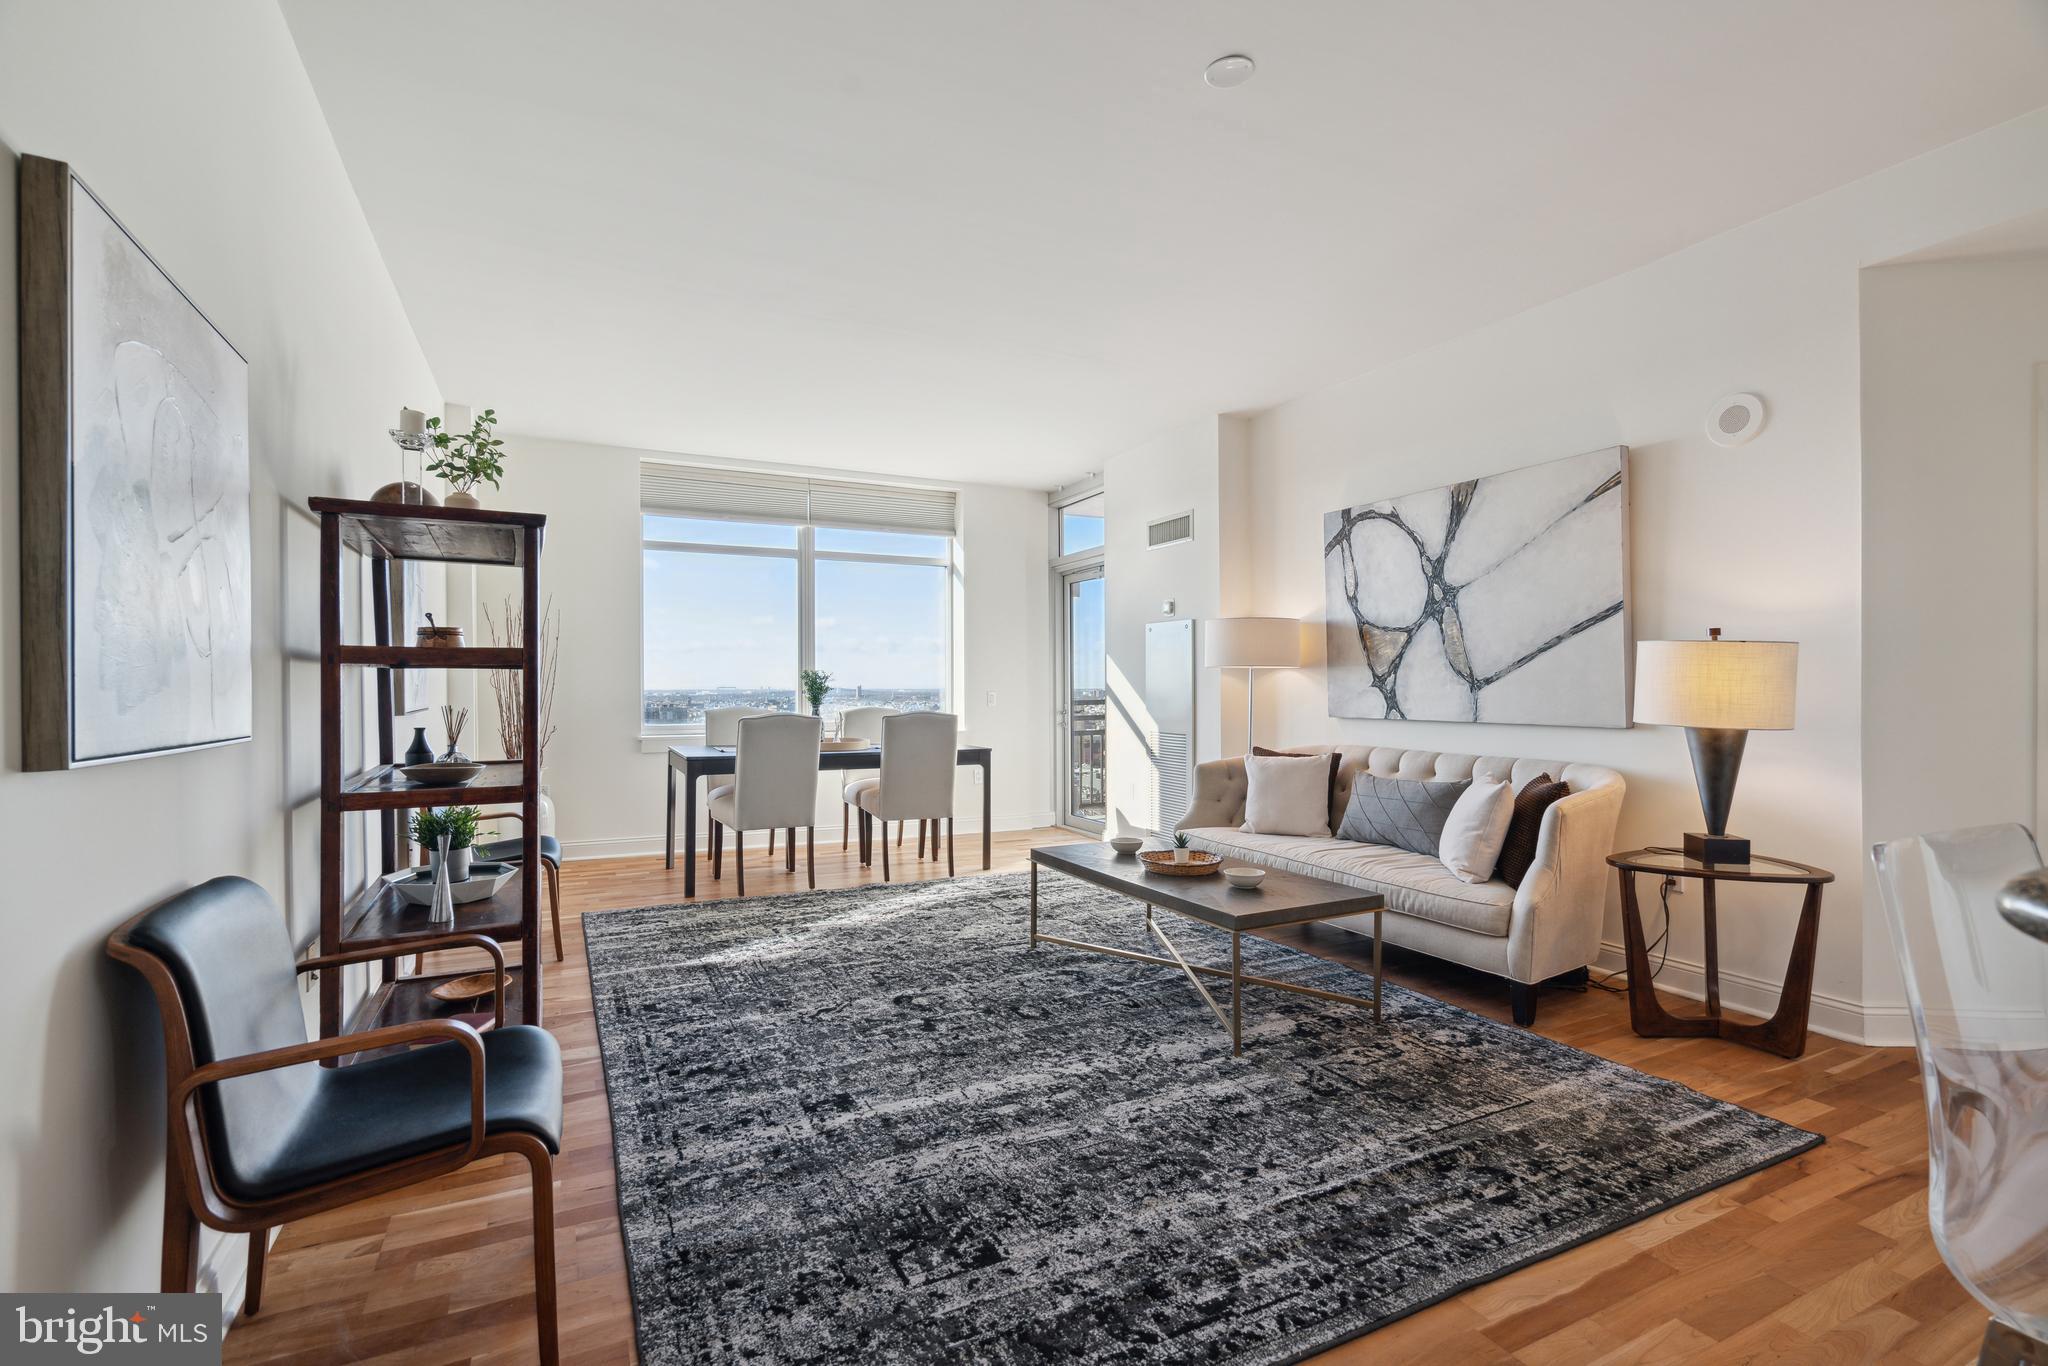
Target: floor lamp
x=1251 y=644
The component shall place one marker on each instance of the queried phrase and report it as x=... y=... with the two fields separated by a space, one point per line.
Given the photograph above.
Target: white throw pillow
x=1476 y=829
x=1288 y=795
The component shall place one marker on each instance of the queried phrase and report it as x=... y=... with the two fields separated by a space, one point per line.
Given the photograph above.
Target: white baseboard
x=640 y=846
x=224 y=1266
x=1884 y=1026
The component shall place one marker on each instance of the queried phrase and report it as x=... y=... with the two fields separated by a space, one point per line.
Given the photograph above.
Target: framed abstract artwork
x=1501 y=599
x=135 y=540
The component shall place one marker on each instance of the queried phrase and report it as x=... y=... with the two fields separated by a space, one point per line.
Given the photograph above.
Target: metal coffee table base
x=1235 y=974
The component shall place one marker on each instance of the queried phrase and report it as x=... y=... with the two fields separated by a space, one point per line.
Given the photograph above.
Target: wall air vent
x=1170 y=531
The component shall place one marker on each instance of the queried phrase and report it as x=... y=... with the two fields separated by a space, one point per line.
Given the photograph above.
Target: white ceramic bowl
x=1238 y=875
x=1126 y=844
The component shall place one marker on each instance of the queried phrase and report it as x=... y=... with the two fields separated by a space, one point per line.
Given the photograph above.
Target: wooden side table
x=1785 y=1032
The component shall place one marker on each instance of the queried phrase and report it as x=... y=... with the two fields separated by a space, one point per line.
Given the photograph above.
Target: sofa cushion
x=1472 y=835
x=1407 y=813
x=1518 y=849
x=1285 y=795
x=1413 y=884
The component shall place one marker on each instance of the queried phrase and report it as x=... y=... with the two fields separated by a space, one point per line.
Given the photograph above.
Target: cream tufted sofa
x=1549 y=927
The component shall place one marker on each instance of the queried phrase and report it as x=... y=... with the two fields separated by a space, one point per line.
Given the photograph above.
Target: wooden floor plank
x=1818 y=1259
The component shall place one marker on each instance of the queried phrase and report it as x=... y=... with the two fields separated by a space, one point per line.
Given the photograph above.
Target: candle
x=412 y=421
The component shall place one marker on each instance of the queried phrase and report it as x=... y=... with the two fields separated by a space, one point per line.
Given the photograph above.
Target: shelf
x=432 y=657
x=382 y=916
x=384 y=788
x=453 y=535
x=407 y=999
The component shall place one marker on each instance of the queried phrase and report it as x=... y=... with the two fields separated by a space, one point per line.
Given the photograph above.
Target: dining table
x=692 y=762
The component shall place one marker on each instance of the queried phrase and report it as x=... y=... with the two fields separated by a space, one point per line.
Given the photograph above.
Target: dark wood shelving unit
x=379 y=916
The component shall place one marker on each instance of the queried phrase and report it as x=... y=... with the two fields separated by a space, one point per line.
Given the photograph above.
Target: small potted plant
x=1181 y=852
x=815 y=683
x=466 y=459
x=458 y=823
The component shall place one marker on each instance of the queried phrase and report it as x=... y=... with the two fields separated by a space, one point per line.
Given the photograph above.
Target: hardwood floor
x=1825 y=1258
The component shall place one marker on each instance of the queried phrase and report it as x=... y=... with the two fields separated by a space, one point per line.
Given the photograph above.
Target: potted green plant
x=458 y=823
x=1181 y=852
x=466 y=459
x=815 y=684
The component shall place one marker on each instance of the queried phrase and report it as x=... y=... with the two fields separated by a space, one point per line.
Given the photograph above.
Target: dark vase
x=419 y=751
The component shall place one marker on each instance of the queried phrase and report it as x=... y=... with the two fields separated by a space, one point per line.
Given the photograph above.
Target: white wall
x=198 y=127
x=1198 y=467
x=1764 y=540
x=608 y=789
x=1951 y=528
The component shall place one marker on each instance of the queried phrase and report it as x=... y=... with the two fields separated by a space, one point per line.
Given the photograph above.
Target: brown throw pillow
x=1518 y=851
x=1335 y=758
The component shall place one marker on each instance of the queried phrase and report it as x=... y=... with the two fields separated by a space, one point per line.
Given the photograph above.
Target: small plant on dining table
x=815 y=683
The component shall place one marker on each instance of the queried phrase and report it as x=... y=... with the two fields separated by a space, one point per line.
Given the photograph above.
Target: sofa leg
x=1522 y=1001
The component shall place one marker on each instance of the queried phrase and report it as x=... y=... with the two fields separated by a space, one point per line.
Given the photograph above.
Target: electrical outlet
x=989 y=697
x=1672 y=887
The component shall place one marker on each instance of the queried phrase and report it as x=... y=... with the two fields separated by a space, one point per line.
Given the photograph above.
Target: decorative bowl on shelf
x=446 y=636
x=442 y=773
x=1244 y=876
x=1127 y=844
x=1200 y=863
x=477 y=986
x=416 y=885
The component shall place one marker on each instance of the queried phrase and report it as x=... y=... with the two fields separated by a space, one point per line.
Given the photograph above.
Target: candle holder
x=410 y=488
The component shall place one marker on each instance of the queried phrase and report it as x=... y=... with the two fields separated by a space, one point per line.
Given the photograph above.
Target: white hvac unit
x=1170 y=708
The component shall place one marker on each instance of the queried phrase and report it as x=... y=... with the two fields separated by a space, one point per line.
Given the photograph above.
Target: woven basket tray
x=1200 y=863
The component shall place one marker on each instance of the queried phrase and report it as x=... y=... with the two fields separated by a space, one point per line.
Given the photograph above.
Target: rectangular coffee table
x=1283 y=898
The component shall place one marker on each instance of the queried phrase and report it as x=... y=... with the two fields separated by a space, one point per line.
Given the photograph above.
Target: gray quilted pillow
x=1405 y=813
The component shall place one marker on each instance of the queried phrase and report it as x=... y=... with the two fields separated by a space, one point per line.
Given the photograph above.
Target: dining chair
x=1977 y=988
x=775 y=786
x=920 y=758
x=261 y=1133
x=512 y=849
x=857 y=723
x=722 y=731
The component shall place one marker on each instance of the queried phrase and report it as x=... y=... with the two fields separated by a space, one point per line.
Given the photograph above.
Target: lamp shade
x=1251 y=643
x=1716 y=684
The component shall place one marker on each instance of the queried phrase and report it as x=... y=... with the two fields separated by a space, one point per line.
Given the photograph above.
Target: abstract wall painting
x=1503 y=599
x=136 y=550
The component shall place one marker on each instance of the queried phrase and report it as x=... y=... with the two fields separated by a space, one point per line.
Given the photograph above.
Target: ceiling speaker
x=1735 y=419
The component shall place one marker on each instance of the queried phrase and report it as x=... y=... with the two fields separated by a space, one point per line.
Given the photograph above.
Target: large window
x=734 y=608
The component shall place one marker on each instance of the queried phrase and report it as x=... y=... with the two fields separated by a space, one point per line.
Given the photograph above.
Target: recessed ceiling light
x=1225 y=72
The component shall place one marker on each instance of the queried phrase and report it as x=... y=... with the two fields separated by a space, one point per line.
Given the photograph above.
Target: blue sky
x=717 y=620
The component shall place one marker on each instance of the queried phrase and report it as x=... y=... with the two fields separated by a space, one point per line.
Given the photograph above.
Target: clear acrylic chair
x=1978 y=989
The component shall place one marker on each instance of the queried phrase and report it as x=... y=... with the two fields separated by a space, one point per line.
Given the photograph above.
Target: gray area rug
x=869 y=1125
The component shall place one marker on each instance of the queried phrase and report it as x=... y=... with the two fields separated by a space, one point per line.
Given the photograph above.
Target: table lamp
x=1251 y=644
x=1719 y=690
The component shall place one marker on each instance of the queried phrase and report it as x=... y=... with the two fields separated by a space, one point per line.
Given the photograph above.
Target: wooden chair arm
x=293 y=1055
x=412 y=946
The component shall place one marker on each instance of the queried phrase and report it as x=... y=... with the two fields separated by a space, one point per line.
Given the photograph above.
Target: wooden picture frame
x=136 y=554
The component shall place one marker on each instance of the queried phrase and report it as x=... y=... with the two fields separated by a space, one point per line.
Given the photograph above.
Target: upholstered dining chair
x=722 y=731
x=920 y=755
x=775 y=786
x=261 y=1133
x=512 y=849
x=857 y=723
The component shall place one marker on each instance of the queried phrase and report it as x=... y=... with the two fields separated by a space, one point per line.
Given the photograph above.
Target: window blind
x=694 y=490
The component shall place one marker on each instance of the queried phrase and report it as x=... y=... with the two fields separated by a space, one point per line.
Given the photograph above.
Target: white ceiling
x=999 y=240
